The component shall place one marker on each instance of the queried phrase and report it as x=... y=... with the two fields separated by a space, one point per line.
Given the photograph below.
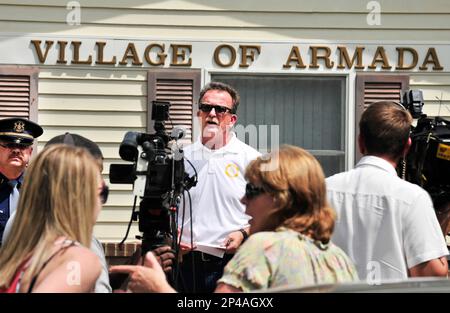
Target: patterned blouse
x=286 y=258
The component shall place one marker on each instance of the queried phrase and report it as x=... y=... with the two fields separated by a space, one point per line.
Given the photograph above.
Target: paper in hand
x=216 y=250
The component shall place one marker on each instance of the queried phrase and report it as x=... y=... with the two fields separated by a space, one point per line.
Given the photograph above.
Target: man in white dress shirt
x=386 y=225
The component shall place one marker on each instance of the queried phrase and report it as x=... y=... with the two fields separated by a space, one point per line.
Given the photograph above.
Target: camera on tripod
x=158 y=176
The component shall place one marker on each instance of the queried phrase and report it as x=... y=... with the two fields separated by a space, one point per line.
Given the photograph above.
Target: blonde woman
x=290 y=230
x=47 y=250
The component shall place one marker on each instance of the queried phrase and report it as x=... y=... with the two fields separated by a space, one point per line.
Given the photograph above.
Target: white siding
x=256 y=20
x=100 y=105
x=434 y=87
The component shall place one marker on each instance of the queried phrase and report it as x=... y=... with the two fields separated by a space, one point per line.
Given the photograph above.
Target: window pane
x=309 y=112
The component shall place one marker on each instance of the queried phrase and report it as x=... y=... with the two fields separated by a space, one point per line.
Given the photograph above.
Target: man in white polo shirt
x=219 y=222
x=385 y=224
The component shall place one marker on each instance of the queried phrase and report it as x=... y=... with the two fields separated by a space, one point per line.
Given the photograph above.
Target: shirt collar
x=20 y=180
x=3 y=179
x=13 y=182
x=371 y=160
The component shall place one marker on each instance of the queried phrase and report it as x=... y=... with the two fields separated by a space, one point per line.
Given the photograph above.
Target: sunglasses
x=104 y=193
x=14 y=146
x=217 y=108
x=251 y=191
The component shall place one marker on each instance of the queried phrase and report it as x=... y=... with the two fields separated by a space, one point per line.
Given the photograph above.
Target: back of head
x=78 y=141
x=224 y=87
x=297 y=184
x=385 y=127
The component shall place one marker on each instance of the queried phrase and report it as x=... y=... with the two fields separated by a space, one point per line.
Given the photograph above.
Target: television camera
x=158 y=176
x=427 y=163
x=428 y=160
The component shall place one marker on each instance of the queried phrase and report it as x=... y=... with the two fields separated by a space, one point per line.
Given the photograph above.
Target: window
x=309 y=112
x=19 y=92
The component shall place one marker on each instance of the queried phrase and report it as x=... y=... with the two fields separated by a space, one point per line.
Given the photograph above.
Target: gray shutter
x=372 y=88
x=179 y=87
x=18 y=92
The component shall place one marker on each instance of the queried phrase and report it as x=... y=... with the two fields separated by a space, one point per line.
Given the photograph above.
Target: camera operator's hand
x=165 y=256
x=147 y=278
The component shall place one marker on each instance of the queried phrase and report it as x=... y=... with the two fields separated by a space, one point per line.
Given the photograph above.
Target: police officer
x=16 y=145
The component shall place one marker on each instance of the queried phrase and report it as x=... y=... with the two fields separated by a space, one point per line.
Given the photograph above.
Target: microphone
x=178 y=132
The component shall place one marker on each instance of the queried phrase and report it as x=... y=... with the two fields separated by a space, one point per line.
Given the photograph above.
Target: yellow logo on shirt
x=232 y=170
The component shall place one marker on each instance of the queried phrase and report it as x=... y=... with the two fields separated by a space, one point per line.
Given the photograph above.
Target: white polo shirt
x=216 y=207
x=385 y=224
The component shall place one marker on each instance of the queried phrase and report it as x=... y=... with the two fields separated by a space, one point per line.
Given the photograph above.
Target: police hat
x=19 y=131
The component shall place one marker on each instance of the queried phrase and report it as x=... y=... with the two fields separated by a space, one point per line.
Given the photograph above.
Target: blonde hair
x=58 y=198
x=297 y=185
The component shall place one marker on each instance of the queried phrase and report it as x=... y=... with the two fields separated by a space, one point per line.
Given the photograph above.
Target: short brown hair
x=298 y=187
x=385 y=127
x=225 y=87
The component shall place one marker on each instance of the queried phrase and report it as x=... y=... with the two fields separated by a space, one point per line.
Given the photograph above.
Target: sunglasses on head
x=104 y=193
x=204 y=107
x=251 y=191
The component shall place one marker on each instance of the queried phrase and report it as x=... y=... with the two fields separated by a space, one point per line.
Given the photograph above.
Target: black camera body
x=158 y=176
x=413 y=102
x=428 y=160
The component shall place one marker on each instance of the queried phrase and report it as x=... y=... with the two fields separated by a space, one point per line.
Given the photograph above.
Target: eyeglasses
x=251 y=191
x=13 y=146
x=219 y=109
x=104 y=193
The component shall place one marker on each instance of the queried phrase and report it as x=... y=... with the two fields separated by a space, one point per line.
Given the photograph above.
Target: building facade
x=305 y=70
